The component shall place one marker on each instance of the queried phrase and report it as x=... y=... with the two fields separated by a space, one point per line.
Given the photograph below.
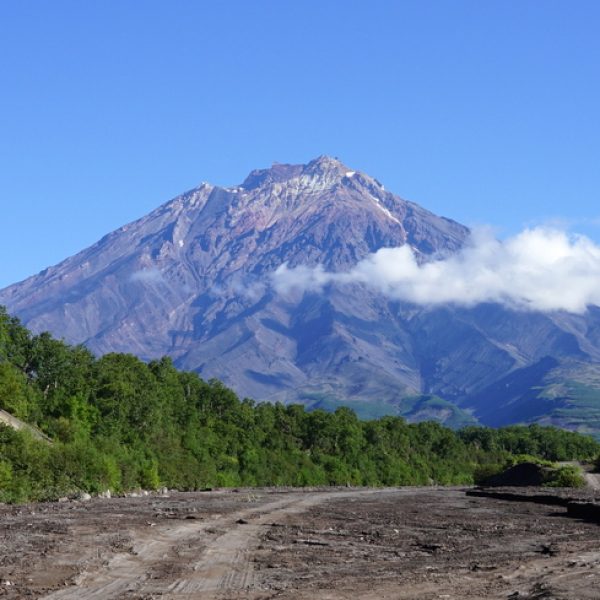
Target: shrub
x=567 y=476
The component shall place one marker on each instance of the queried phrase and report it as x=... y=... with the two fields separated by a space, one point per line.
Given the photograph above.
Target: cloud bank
x=541 y=269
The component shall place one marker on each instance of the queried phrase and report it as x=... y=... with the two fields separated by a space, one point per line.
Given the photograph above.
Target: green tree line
x=119 y=423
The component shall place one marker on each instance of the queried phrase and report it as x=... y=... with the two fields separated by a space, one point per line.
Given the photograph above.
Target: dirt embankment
x=8 y=419
x=417 y=543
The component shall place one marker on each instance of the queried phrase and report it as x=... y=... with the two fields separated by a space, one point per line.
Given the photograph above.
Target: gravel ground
x=416 y=543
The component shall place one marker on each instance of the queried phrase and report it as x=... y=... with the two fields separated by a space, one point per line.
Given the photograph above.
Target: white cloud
x=246 y=286
x=149 y=275
x=542 y=269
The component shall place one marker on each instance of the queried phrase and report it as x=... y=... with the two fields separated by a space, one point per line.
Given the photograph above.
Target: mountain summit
x=192 y=280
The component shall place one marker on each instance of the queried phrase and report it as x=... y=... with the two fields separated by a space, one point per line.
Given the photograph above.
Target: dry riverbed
x=406 y=543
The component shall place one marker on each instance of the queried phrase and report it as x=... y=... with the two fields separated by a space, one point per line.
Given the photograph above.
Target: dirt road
x=223 y=567
x=592 y=480
x=332 y=544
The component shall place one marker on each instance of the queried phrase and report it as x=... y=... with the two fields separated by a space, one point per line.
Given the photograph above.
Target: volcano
x=193 y=280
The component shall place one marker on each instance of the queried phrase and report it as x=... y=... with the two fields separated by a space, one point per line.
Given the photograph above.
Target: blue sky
x=486 y=112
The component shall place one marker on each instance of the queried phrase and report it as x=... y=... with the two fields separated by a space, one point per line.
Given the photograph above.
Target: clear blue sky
x=486 y=112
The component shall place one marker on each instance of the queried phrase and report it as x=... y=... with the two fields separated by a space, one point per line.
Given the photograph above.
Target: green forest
x=118 y=423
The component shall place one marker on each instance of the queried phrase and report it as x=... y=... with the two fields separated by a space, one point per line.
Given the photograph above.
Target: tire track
x=223 y=567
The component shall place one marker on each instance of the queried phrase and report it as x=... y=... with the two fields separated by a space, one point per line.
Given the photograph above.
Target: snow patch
x=384 y=209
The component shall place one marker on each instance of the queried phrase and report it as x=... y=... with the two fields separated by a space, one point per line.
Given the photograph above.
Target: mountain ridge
x=192 y=280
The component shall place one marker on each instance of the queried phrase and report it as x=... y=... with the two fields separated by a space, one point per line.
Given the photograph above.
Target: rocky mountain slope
x=193 y=280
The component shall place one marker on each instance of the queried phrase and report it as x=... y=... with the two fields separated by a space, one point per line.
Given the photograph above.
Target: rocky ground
x=407 y=543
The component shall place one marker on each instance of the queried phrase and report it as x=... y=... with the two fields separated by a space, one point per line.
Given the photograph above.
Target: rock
x=521 y=475
x=84 y=497
x=589 y=511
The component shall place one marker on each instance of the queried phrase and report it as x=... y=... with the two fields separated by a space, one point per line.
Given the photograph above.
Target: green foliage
x=483 y=472
x=517 y=459
x=549 y=443
x=118 y=423
x=13 y=391
x=566 y=476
